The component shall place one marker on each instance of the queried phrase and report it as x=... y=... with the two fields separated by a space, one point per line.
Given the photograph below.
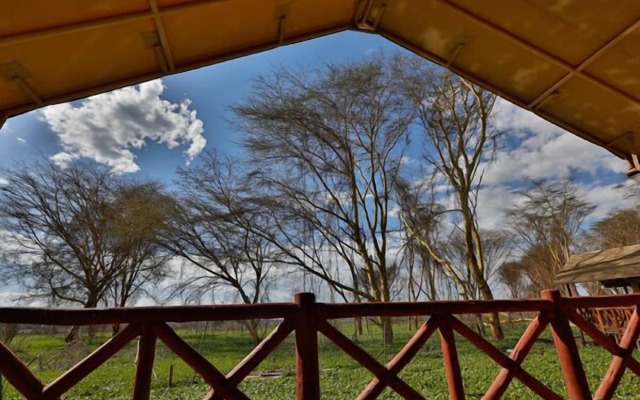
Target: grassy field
x=341 y=377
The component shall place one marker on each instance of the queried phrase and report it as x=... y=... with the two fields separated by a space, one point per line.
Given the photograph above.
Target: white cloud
x=539 y=149
x=108 y=127
x=492 y=205
x=544 y=149
x=21 y=140
x=3 y=181
x=606 y=198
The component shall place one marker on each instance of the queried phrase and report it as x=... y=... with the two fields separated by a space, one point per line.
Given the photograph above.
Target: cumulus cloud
x=108 y=127
x=544 y=150
x=536 y=148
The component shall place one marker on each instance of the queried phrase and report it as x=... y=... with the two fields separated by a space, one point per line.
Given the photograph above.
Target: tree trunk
x=253 y=326
x=387 y=329
x=72 y=334
x=480 y=325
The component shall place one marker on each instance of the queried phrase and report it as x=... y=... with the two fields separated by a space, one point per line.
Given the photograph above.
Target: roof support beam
x=16 y=73
x=166 y=50
x=100 y=23
x=364 y=15
x=538 y=51
x=282 y=12
x=538 y=101
x=28 y=91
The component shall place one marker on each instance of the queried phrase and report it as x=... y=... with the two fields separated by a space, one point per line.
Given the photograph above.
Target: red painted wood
x=403 y=309
x=307 y=363
x=510 y=365
x=611 y=380
x=195 y=360
x=367 y=361
x=257 y=355
x=144 y=364
x=451 y=362
x=67 y=380
x=18 y=374
x=144 y=315
x=304 y=315
x=380 y=382
x=572 y=369
x=602 y=339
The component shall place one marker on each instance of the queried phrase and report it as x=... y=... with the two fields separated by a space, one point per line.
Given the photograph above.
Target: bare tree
x=79 y=235
x=328 y=149
x=621 y=227
x=140 y=212
x=513 y=276
x=423 y=219
x=548 y=221
x=214 y=231
x=455 y=117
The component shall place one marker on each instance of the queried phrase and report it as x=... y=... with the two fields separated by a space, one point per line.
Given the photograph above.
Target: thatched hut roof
x=621 y=263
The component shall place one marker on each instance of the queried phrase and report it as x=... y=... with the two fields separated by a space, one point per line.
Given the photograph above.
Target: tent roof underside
x=574 y=63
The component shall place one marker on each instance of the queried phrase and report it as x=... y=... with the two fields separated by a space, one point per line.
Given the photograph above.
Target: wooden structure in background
x=307 y=319
x=613 y=268
x=574 y=63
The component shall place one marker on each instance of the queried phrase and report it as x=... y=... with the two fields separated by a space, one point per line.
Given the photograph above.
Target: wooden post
x=451 y=362
x=307 y=365
x=572 y=369
x=144 y=364
x=170 y=378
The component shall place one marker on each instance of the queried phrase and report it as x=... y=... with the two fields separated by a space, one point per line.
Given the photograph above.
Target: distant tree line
x=360 y=181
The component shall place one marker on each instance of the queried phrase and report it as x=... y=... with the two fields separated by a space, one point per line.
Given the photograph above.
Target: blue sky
x=154 y=146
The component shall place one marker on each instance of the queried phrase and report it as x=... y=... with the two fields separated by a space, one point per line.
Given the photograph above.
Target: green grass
x=341 y=377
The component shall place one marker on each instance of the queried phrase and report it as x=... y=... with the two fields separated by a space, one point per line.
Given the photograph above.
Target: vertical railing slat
x=144 y=364
x=307 y=363
x=451 y=362
x=568 y=354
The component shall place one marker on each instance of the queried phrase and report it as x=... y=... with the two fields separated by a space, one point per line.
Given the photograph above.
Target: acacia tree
x=512 y=276
x=213 y=229
x=456 y=118
x=78 y=235
x=140 y=212
x=327 y=149
x=621 y=227
x=423 y=221
x=548 y=220
x=75 y=232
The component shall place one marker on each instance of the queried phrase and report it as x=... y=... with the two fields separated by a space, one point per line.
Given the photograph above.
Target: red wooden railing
x=306 y=318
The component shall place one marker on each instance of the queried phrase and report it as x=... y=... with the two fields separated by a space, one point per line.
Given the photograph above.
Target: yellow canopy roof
x=574 y=63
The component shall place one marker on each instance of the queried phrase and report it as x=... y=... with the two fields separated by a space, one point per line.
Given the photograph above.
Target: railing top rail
x=404 y=309
x=97 y=316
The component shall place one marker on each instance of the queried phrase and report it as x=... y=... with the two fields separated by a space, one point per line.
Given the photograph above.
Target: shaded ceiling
x=575 y=63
